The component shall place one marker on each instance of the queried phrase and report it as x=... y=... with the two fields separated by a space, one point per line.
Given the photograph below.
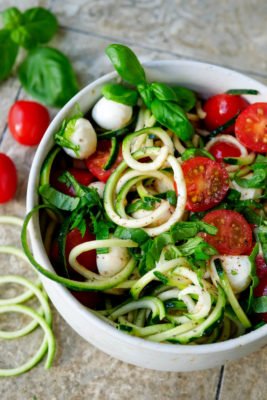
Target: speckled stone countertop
x=229 y=33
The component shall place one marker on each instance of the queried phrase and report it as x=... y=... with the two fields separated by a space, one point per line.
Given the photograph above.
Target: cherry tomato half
x=251 y=127
x=234 y=236
x=8 y=178
x=84 y=177
x=224 y=149
x=207 y=183
x=97 y=160
x=28 y=121
x=221 y=108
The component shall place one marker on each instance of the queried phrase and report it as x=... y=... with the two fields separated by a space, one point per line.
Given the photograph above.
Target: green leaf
x=138 y=235
x=163 y=92
x=156 y=247
x=260 y=304
x=126 y=64
x=12 y=17
x=8 y=51
x=254 y=277
x=261 y=233
x=173 y=117
x=171 y=197
x=47 y=75
x=38 y=26
x=120 y=94
x=58 y=199
x=186 y=98
x=190 y=153
x=146 y=94
x=257 y=180
x=189 y=229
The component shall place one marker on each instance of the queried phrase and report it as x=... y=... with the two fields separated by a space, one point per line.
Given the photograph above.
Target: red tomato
x=88 y=258
x=84 y=177
x=261 y=290
x=224 y=149
x=234 y=236
x=97 y=160
x=221 y=108
x=8 y=178
x=251 y=127
x=28 y=121
x=207 y=183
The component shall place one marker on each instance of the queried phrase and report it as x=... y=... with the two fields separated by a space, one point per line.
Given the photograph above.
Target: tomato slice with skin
x=234 y=235
x=207 y=183
x=96 y=161
x=84 y=177
x=222 y=149
x=251 y=127
x=221 y=108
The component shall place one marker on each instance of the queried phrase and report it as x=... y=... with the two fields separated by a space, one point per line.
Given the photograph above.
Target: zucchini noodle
x=42 y=316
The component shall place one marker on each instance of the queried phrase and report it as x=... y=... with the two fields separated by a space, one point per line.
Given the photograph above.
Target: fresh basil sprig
x=37 y=26
x=257 y=180
x=163 y=100
x=8 y=51
x=120 y=94
x=47 y=75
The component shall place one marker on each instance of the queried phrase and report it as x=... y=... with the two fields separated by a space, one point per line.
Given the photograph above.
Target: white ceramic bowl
x=205 y=79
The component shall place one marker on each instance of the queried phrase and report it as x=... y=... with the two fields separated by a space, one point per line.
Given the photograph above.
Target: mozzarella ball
x=84 y=136
x=163 y=185
x=99 y=186
x=114 y=261
x=111 y=115
x=237 y=269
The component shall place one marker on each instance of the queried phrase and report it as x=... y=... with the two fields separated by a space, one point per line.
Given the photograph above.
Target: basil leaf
x=260 y=304
x=8 y=52
x=257 y=180
x=261 y=233
x=190 y=153
x=47 y=75
x=126 y=63
x=38 y=26
x=253 y=275
x=171 y=197
x=189 y=229
x=12 y=17
x=163 y=92
x=120 y=94
x=260 y=162
x=157 y=244
x=146 y=94
x=173 y=117
x=58 y=199
x=138 y=235
x=186 y=98
x=147 y=203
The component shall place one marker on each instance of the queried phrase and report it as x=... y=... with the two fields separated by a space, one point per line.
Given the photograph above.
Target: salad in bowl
x=151 y=205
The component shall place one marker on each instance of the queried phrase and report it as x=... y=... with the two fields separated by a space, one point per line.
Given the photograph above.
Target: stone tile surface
x=229 y=32
x=155 y=29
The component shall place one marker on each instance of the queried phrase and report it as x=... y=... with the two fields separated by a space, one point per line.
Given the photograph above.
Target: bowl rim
x=37 y=244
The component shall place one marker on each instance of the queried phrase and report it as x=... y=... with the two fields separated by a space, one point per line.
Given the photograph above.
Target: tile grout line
x=6 y=125
x=220 y=384
x=100 y=36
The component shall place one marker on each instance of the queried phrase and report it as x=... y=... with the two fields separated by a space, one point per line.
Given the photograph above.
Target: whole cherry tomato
x=28 y=121
x=8 y=178
x=221 y=108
